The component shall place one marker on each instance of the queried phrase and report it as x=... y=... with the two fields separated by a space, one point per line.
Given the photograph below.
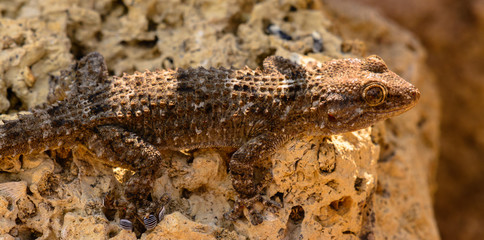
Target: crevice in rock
x=293 y=224
x=342 y=205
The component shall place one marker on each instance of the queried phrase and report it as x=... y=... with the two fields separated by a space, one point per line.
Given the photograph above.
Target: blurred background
x=452 y=31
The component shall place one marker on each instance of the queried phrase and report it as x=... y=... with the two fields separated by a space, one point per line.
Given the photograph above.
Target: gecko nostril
x=414 y=94
x=417 y=94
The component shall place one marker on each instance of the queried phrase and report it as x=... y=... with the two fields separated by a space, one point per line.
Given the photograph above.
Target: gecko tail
x=38 y=131
x=52 y=126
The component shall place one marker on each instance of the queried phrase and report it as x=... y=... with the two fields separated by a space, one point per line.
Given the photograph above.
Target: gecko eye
x=374 y=94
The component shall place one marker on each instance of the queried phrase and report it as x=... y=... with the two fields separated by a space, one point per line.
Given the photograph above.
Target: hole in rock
x=341 y=206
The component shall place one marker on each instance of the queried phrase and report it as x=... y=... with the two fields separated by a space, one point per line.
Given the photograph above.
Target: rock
x=79 y=227
x=177 y=226
x=32 y=49
x=372 y=183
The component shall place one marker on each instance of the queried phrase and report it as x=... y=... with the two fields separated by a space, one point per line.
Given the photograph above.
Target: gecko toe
x=150 y=221
x=235 y=213
x=270 y=205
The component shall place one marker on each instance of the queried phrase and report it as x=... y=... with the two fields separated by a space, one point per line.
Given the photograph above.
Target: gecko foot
x=150 y=221
x=254 y=208
x=147 y=213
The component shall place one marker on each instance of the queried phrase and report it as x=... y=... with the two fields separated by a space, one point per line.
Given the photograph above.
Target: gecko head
x=362 y=92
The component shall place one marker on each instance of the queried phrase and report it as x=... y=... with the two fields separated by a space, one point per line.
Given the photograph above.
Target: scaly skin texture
x=128 y=121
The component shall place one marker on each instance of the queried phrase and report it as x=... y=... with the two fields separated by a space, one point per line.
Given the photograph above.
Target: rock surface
x=372 y=184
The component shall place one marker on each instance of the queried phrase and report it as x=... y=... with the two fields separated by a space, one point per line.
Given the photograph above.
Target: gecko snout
x=416 y=94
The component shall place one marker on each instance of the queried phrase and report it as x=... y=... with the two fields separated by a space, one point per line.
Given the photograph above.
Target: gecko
x=129 y=121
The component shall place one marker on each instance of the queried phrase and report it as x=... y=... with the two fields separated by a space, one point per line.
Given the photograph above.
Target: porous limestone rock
x=370 y=184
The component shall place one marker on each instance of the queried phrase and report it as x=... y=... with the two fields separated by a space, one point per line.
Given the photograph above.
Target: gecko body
x=128 y=121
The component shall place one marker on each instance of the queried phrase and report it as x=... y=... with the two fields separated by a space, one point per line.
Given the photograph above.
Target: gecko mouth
x=376 y=115
x=385 y=114
x=392 y=112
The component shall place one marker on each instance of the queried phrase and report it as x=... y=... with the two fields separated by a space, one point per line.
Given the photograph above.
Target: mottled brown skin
x=129 y=120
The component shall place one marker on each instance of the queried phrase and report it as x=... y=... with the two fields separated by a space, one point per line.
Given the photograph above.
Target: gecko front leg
x=246 y=168
x=121 y=147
